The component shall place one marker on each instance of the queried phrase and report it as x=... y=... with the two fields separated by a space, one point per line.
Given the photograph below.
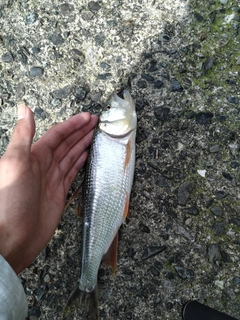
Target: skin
x=34 y=183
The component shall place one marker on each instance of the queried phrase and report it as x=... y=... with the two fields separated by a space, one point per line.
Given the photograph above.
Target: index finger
x=55 y=135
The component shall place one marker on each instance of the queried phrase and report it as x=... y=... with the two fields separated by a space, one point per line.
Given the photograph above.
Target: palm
x=39 y=181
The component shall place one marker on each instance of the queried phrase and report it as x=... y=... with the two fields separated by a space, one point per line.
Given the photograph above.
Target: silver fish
x=106 y=193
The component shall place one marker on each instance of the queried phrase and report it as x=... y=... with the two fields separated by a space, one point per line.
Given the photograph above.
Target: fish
x=105 y=196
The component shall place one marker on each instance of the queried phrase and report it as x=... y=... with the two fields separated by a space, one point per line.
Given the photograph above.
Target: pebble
x=217 y=211
x=36 y=50
x=154 y=271
x=30 y=18
x=161 y=181
x=193 y=211
x=128 y=315
x=164 y=37
x=236 y=221
x=56 y=102
x=162 y=113
x=220 y=194
x=47 y=278
x=99 y=39
x=231 y=82
x=232 y=99
x=236 y=281
x=131 y=252
x=94 y=6
x=142 y=84
x=39 y=112
x=66 y=8
x=96 y=96
x=215 y=148
x=80 y=94
x=56 y=39
x=213 y=252
x=147 y=77
x=152 y=251
x=184 y=191
x=140 y=104
x=7 y=57
x=219 y=228
x=235 y=164
x=198 y=17
x=105 y=76
x=62 y=92
x=143 y=227
x=22 y=57
x=35 y=312
x=184 y=273
x=152 y=66
x=36 y=72
x=20 y=90
x=176 y=86
x=105 y=66
x=158 y=84
x=87 y=15
x=208 y=64
x=77 y=55
x=212 y=16
x=203 y=118
x=225 y=256
x=112 y=23
x=227 y=176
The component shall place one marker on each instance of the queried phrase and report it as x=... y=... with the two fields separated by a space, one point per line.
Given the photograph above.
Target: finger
x=55 y=135
x=66 y=145
x=78 y=165
x=22 y=136
x=75 y=153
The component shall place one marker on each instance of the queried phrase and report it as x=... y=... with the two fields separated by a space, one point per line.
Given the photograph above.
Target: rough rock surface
x=181 y=61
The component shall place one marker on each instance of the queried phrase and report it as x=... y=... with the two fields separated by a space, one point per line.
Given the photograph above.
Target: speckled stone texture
x=181 y=61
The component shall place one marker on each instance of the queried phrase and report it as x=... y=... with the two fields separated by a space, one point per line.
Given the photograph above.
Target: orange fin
x=75 y=194
x=126 y=208
x=110 y=258
x=128 y=154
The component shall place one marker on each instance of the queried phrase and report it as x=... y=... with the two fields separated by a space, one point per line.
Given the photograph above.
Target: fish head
x=121 y=117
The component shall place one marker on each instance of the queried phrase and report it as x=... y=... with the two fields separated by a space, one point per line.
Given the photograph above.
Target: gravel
x=180 y=60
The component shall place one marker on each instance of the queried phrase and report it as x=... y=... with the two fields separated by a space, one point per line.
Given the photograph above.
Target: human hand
x=34 y=182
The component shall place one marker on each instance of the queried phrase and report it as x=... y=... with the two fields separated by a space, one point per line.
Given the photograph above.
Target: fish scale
x=102 y=199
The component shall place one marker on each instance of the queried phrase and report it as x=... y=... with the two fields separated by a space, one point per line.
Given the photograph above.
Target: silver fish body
x=106 y=190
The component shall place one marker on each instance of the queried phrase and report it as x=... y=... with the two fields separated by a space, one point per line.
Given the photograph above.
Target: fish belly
x=106 y=190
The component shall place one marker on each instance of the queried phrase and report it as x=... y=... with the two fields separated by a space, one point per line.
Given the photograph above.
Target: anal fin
x=126 y=208
x=110 y=258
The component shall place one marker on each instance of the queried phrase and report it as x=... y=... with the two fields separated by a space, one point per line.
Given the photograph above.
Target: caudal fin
x=79 y=298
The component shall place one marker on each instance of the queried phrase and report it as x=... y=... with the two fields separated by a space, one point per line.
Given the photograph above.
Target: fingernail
x=21 y=110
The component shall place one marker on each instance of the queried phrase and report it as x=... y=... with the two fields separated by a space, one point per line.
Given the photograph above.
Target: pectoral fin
x=110 y=258
x=128 y=153
x=78 y=192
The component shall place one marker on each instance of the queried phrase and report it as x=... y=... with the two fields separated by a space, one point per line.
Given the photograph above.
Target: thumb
x=23 y=132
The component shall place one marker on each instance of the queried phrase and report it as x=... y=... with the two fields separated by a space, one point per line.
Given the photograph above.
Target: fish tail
x=80 y=298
